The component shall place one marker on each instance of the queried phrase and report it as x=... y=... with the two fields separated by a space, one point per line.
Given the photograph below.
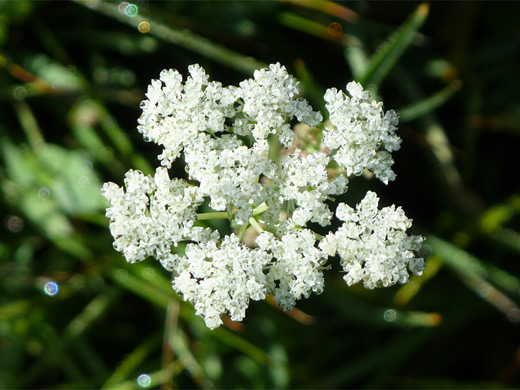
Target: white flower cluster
x=373 y=245
x=360 y=129
x=238 y=146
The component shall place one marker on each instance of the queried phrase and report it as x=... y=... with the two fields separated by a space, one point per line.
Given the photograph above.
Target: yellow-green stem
x=214 y=215
x=256 y=225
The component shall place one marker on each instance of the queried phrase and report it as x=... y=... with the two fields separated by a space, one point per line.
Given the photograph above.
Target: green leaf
x=387 y=55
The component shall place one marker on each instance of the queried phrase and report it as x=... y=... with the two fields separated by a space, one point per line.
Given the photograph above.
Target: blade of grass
x=82 y=119
x=327 y=7
x=506 y=237
x=388 y=355
x=183 y=38
x=359 y=311
x=387 y=55
x=55 y=355
x=91 y=313
x=313 y=28
x=170 y=327
x=156 y=378
x=29 y=125
x=34 y=84
x=494 y=218
x=131 y=362
x=474 y=273
x=120 y=139
x=441 y=150
x=137 y=286
x=429 y=104
x=409 y=290
x=92 y=360
x=357 y=59
x=179 y=344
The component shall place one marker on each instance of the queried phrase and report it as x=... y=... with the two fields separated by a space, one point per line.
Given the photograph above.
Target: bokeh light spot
x=144 y=27
x=87 y=165
x=390 y=315
x=513 y=315
x=144 y=380
x=44 y=193
x=335 y=29
x=121 y=274
x=84 y=181
x=19 y=93
x=122 y=6
x=148 y=273
x=14 y=224
x=51 y=288
x=131 y=10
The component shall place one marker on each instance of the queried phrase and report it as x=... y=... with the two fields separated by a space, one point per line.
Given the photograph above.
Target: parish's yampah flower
x=242 y=165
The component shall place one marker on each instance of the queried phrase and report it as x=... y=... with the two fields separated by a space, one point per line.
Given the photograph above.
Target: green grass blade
x=179 y=344
x=91 y=312
x=377 y=360
x=139 y=287
x=357 y=59
x=387 y=55
x=157 y=378
x=311 y=27
x=359 y=311
x=475 y=272
x=427 y=105
x=132 y=362
x=506 y=237
x=183 y=38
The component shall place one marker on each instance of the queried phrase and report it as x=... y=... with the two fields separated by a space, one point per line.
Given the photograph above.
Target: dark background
x=72 y=75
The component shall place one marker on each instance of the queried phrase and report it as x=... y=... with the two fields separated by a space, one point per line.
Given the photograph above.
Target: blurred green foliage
x=72 y=75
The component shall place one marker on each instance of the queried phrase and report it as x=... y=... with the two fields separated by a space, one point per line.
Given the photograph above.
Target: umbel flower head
x=246 y=161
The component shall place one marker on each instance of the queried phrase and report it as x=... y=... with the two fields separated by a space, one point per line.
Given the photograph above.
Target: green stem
x=29 y=125
x=214 y=215
x=260 y=209
x=256 y=225
x=224 y=214
x=242 y=230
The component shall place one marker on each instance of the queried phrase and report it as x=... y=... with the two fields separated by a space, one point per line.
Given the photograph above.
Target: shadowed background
x=73 y=314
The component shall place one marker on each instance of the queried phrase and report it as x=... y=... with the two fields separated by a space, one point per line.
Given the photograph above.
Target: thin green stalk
x=183 y=38
x=260 y=209
x=214 y=215
x=242 y=230
x=131 y=362
x=256 y=225
x=29 y=125
x=170 y=327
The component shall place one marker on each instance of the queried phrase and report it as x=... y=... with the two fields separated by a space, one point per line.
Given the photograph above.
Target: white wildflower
x=297 y=269
x=230 y=139
x=271 y=100
x=373 y=245
x=304 y=180
x=361 y=133
x=154 y=214
x=221 y=279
